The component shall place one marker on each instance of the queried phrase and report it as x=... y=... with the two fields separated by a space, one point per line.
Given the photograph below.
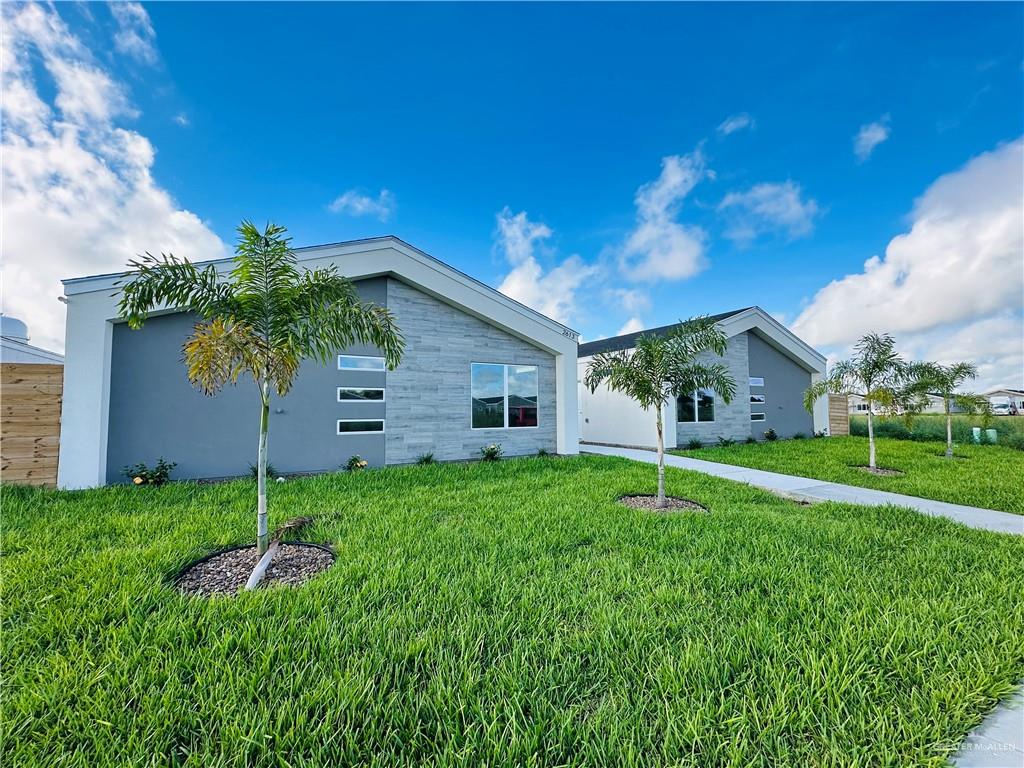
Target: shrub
x=725 y=442
x=271 y=471
x=694 y=444
x=799 y=436
x=425 y=458
x=821 y=433
x=356 y=464
x=771 y=435
x=491 y=452
x=1014 y=441
x=543 y=453
x=140 y=474
x=750 y=440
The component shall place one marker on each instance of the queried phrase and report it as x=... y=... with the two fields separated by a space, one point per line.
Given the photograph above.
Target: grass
x=988 y=476
x=504 y=613
x=930 y=426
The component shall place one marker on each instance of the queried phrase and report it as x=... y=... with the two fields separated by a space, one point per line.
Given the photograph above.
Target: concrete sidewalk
x=807 y=489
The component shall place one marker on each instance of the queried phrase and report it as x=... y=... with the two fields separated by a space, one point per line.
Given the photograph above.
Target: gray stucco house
x=479 y=368
x=772 y=368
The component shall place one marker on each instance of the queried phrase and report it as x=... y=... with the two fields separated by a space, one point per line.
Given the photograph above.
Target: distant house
x=1009 y=398
x=478 y=368
x=14 y=346
x=772 y=368
x=858 y=406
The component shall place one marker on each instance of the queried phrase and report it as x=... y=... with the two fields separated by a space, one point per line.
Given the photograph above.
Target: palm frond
x=167 y=281
x=218 y=352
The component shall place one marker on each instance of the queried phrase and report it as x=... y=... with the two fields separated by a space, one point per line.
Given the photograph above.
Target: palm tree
x=264 y=319
x=659 y=367
x=877 y=374
x=945 y=380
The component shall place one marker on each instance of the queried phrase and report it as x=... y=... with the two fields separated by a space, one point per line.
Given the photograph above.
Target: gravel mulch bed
x=227 y=572
x=880 y=471
x=646 y=501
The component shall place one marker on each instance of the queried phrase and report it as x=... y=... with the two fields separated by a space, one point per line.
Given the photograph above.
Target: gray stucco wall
x=428 y=398
x=733 y=420
x=784 y=384
x=155 y=412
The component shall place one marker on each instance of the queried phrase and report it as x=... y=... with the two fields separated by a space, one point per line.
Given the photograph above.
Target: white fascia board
x=776 y=334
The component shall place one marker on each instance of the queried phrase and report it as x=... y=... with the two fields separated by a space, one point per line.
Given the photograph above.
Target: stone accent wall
x=428 y=395
x=733 y=420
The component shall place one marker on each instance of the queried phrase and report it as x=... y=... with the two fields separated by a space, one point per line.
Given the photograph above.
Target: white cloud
x=659 y=247
x=870 y=136
x=735 y=123
x=766 y=208
x=181 y=119
x=632 y=325
x=951 y=287
x=355 y=203
x=135 y=35
x=79 y=196
x=552 y=293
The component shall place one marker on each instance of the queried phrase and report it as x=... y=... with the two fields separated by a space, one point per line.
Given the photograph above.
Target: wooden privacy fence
x=838 y=415
x=30 y=398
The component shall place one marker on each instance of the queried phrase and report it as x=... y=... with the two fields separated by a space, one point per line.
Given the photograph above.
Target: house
x=772 y=368
x=936 y=404
x=14 y=346
x=1008 y=399
x=478 y=368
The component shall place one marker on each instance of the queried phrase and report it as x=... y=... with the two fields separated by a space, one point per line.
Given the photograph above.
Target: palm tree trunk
x=262 y=536
x=871 y=438
x=660 y=504
x=949 y=430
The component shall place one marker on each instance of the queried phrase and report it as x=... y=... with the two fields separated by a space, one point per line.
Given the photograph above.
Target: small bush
x=725 y=442
x=491 y=452
x=140 y=474
x=771 y=435
x=694 y=444
x=750 y=440
x=543 y=453
x=271 y=471
x=821 y=433
x=799 y=436
x=356 y=464
x=1014 y=441
x=425 y=458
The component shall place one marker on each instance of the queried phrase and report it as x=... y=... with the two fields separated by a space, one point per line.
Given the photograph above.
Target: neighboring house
x=859 y=406
x=478 y=368
x=14 y=346
x=1008 y=398
x=772 y=368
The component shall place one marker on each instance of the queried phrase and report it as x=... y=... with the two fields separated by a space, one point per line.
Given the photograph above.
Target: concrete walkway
x=806 y=489
x=999 y=741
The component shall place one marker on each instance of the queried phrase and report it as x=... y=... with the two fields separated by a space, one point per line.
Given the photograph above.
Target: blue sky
x=575 y=155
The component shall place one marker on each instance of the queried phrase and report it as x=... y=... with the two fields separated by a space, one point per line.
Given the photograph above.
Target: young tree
x=945 y=380
x=665 y=366
x=876 y=373
x=263 y=318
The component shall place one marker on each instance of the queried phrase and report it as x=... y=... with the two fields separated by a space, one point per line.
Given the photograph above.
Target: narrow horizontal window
x=359 y=426
x=360 y=395
x=757 y=381
x=757 y=398
x=757 y=417
x=360 y=363
x=503 y=396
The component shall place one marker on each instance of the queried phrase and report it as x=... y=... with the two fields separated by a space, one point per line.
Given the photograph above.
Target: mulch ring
x=672 y=503
x=225 y=572
x=880 y=471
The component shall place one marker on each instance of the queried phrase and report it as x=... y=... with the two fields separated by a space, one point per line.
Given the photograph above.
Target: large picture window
x=503 y=396
x=698 y=407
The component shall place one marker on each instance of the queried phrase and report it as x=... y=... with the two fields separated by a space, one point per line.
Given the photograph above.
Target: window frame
x=696 y=407
x=752 y=381
x=762 y=401
x=382 y=369
x=381 y=431
x=763 y=417
x=382 y=390
x=504 y=395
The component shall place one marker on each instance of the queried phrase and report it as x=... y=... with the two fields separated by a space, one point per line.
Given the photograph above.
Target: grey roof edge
x=349 y=243
x=628 y=340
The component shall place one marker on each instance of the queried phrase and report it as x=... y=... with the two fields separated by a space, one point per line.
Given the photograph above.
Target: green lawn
x=989 y=476
x=503 y=614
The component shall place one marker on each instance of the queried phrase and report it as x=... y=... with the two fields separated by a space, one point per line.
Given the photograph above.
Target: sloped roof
x=628 y=340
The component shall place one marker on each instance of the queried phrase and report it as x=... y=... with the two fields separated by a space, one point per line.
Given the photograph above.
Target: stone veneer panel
x=428 y=394
x=733 y=420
